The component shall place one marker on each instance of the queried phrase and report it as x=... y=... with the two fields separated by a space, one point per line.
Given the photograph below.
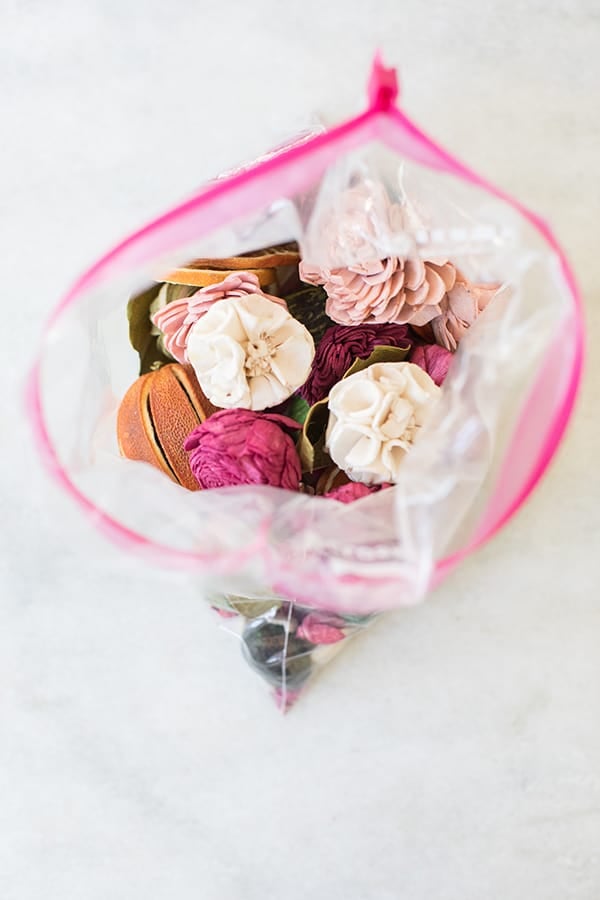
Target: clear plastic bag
x=291 y=557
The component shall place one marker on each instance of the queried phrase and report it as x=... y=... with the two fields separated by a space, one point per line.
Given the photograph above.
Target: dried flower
x=249 y=352
x=374 y=418
x=459 y=309
x=404 y=291
x=433 y=359
x=176 y=319
x=361 y=224
x=368 y=277
x=236 y=446
x=340 y=346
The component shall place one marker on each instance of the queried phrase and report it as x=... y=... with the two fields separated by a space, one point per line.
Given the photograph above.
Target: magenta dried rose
x=435 y=360
x=239 y=446
x=176 y=319
x=459 y=309
x=354 y=490
x=340 y=346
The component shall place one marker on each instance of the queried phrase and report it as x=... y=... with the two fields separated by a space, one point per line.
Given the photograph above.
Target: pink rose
x=435 y=360
x=340 y=346
x=176 y=319
x=238 y=446
x=459 y=309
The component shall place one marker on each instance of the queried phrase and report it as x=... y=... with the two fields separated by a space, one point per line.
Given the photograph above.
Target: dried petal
x=433 y=359
x=459 y=309
x=176 y=319
x=237 y=446
x=314 y=630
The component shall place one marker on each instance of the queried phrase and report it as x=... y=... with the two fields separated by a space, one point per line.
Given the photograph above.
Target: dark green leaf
x=297 y=408
x=308 y=306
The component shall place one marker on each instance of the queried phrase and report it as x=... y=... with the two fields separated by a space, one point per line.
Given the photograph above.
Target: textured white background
x=454 y=751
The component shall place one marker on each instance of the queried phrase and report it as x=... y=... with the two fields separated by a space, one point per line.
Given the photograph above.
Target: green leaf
x=297 y=408
x=378 y=355
x=140 y=327
x=308 y=306
x=311 y=443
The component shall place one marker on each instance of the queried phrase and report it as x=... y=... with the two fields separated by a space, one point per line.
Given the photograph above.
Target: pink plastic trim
x=382 y=89
x=242 y=194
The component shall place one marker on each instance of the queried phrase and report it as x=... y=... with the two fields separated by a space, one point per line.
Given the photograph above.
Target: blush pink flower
x=239 y=446
x=435 y=360
x=459 y=309
x=403 y=291
x=369 y=273
x=340 y=346
x=176 y=319
x=362 y=223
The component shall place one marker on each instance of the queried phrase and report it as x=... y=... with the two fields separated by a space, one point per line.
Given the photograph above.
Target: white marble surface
x=454 y=751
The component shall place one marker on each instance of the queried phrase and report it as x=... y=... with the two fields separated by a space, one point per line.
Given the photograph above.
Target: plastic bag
x=295 y=574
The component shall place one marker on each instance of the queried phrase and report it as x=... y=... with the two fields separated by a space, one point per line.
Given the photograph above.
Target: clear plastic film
x=301 y=558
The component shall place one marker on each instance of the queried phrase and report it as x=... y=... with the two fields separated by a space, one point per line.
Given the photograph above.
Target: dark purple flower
x=239 y=446
x=435 y=360
x=340 y=346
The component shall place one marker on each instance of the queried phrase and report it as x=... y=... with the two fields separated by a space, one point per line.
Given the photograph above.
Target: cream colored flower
x=374 y=418
x=249 y=352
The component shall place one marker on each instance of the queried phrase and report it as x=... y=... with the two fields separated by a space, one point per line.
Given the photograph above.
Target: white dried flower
x=374 y=418
x=249 y=352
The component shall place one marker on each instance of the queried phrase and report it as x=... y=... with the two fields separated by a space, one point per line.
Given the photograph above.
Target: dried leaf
x=140 y=327
x=379 y=355
x=252 y=608
x=249 y=607
x=308 y=306
x=311 y=443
